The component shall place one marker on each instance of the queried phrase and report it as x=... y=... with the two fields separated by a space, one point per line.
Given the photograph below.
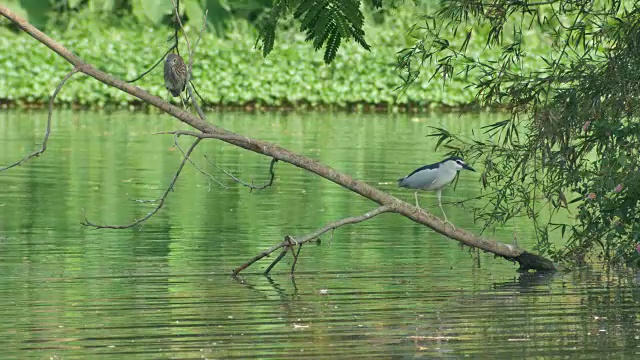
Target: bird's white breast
x=445 y=176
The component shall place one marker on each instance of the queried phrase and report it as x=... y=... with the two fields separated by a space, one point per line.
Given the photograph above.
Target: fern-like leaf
x=332 y=46
x=267 y=26
x=327 y=22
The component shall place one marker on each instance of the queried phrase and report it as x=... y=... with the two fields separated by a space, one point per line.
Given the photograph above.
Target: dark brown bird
x=175 y=74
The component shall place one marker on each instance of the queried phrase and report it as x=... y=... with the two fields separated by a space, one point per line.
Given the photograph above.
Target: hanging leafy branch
x=327 y=23
x=571 y=135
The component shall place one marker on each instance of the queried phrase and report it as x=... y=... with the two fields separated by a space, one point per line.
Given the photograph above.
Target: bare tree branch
x=174 y=46
x=251 y=186
x=228 y=137
x=291 y=241
x=176 y=28
x=273 y=263
x=175 y=141
x=47 y=132
x=176 y=11
x=190 y=67
x=204 y=102
x=526 y=259
x=295 y=258
x=160 y=201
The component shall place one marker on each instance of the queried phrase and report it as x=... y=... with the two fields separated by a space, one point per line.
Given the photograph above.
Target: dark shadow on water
x=528 y=281
x=273 y=287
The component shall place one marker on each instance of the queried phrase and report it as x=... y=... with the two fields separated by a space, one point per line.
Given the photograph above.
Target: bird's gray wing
x=420 y=180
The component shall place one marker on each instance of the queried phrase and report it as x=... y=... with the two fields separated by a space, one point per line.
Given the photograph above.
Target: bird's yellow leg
x=184 y=105
x=439 y=195
x=415 y=195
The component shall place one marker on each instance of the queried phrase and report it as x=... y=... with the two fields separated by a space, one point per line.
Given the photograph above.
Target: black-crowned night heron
x=175 y=74
x=434 y=177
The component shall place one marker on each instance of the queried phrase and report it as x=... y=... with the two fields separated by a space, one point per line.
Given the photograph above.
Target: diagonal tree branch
x=513 y=253
x=47 y=132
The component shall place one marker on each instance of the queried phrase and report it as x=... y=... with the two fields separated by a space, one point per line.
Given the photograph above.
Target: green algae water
x=386 y=288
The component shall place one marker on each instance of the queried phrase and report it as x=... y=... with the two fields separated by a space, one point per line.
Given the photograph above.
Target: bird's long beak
x=468 y=167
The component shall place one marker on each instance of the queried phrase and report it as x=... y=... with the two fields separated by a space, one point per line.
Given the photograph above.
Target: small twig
x=252 y=187
x=192 y=51
x=274 y=262
x=204 y=102
x=176 y=26
x=144 y=201
x=295 y=259
x=174 y=46
x=289 y=241
x=461 y=202
x=47 y=132
x=186 y=38
x=190 y=69
x=175 y=142
x=161 y=200
x=225 y=137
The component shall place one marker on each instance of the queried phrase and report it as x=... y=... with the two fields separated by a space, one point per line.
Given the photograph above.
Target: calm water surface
x=387 y=288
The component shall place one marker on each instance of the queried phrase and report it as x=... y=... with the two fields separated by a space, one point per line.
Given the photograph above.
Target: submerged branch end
x=290 y=241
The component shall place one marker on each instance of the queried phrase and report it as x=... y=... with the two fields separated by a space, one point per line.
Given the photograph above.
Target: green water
x=387 y=288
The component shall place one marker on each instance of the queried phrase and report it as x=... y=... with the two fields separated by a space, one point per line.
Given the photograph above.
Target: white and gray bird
x=434 y=177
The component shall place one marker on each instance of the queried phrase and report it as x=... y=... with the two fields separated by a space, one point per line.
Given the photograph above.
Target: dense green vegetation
x=229 y=70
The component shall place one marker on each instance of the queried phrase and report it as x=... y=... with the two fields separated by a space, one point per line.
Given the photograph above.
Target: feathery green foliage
x=572 y=134
x=326 y=22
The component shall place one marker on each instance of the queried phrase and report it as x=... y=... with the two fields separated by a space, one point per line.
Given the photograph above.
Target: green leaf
x=332 y=46
x=332 y=20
